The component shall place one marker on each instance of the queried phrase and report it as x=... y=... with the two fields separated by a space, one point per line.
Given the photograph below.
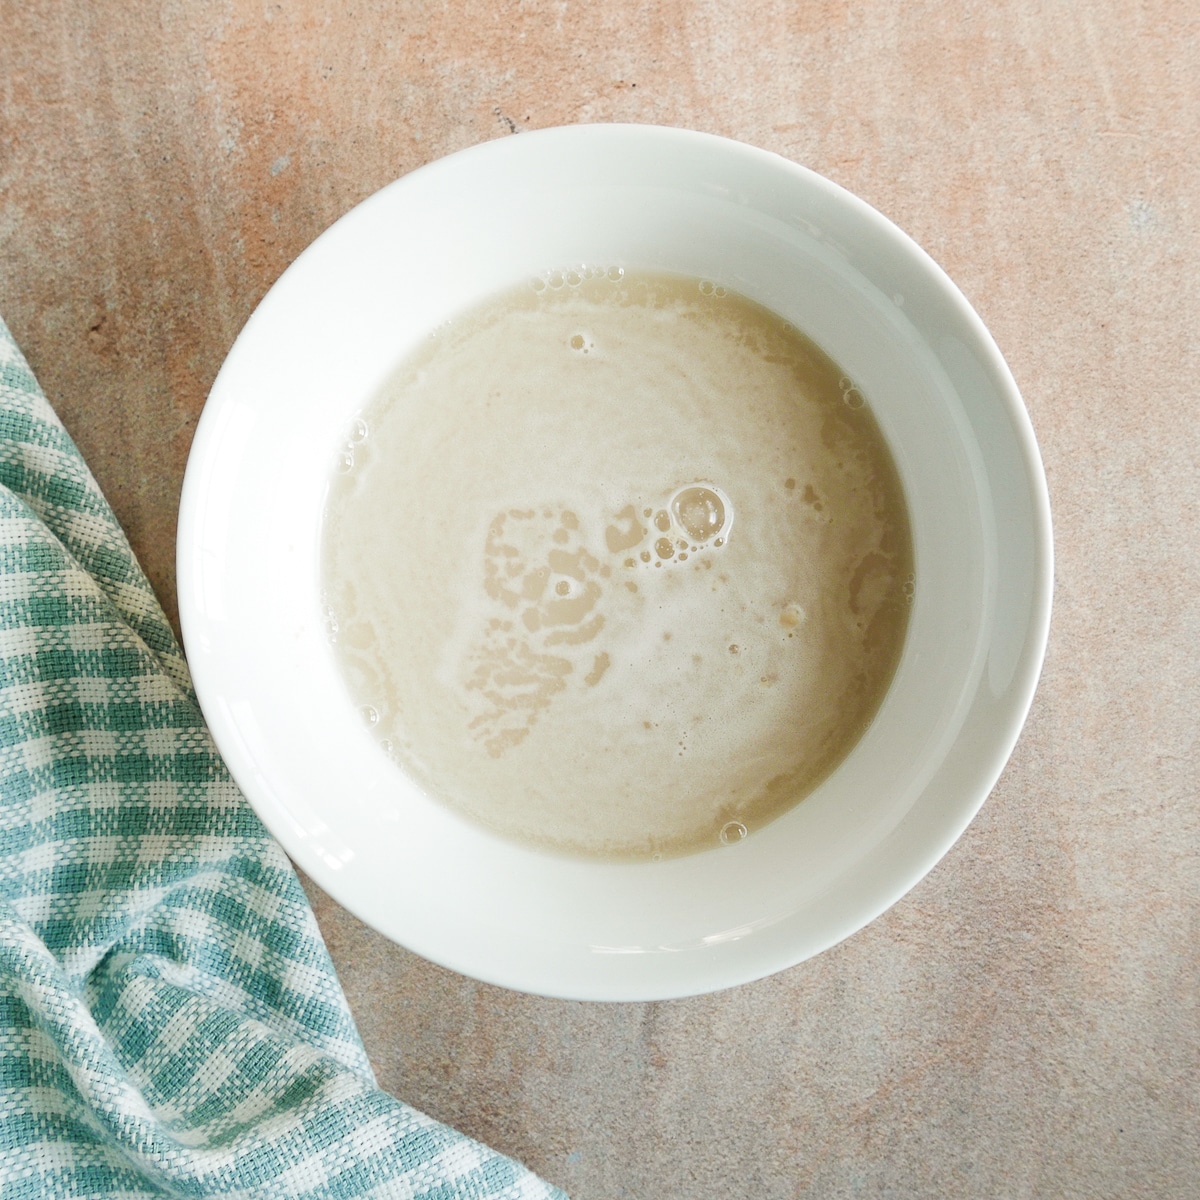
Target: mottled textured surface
x=1027 y=1021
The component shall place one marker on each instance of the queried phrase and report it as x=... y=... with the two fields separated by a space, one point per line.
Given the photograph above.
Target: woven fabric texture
x=170 y=1021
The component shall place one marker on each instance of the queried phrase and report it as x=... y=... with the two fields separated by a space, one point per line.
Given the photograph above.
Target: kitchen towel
x=170 y=1020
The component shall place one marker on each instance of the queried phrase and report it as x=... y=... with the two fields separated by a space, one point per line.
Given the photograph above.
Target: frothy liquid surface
x=618 y=565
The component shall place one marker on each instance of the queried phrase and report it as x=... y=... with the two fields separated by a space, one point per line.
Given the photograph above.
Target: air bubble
x=386 y=743
x=538 y=285
x=370 y=714
x=706 y=287
x=574 y=279
x=700 y=511
x=645 y=556
x=562 y=587
x=845 y=383
x=616 y=274
x=854 y=398
x=719 y=291
x=656 y=857
x=359 y=430
x=556 y=279
x=663 y=548
x=732 y=832
x=345 y=463
x=662 y=520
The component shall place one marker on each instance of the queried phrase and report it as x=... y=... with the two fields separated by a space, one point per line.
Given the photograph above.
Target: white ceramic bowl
x=437 y=242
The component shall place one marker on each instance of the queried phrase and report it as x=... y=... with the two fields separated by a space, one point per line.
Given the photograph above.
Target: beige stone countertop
x=1026 y=1022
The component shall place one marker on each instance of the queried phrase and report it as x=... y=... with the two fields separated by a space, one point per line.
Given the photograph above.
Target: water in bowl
x=619 y=563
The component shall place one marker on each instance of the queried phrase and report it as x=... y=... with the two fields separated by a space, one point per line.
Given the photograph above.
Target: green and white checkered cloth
x=170 y=1021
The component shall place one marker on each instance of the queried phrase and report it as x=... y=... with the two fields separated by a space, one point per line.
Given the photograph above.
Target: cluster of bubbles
x=356 y=436
x=699 y=512
x=574 y=276
x=372 y=716
x=852 y=397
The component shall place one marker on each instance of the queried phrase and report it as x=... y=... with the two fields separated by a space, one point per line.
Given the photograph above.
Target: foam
x=618 y=564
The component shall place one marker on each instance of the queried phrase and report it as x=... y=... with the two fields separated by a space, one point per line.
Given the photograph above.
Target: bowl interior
x=435 y=244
